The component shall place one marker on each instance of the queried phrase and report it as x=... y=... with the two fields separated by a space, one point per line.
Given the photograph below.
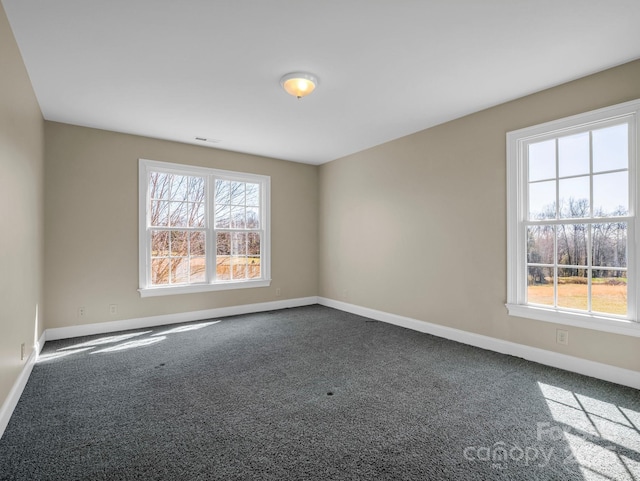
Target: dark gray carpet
x=311 y=393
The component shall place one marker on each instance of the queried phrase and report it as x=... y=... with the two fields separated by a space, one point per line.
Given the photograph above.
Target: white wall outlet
x=82 y=311
x=562 y=337
x=113 y=309
x=278 y=292
x=22 y=351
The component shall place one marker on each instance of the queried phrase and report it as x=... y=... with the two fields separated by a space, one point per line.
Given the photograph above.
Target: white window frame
x=516 y=215
x=146 y=289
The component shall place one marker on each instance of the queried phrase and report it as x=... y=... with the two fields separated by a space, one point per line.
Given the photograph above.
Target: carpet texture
x=311 y=393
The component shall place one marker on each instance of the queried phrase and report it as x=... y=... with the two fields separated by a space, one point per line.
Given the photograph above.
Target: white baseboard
x=606 y=372
x=12 y=399
x=152 y=321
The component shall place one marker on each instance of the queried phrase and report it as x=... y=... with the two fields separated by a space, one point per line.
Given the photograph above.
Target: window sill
x=193 y=289
x=587 y=321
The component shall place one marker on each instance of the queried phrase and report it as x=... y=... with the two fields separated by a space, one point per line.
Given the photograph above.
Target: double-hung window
x=572 y=220
x=201 y=229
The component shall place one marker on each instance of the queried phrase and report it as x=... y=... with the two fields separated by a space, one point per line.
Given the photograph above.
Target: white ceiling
x=210 y=68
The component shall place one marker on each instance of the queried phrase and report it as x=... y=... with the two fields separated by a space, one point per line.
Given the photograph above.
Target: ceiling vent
x=211 y=141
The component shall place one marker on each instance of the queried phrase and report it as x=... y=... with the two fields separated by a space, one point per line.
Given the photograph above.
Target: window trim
x=144 y=244
x=516 y=252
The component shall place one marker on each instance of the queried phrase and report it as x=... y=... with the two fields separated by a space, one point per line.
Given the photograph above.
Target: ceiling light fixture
x=299 y=84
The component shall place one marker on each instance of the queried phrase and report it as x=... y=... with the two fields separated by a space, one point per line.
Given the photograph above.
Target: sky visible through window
x=610 y=185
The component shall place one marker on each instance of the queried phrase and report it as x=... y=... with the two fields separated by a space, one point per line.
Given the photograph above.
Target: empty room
x=335 y=240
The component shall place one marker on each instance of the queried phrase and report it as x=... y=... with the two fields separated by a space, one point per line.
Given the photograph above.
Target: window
x=201 y=229
x=572 y=206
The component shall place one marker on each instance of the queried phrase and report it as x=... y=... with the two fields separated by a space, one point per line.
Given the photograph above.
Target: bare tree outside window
x=568 y=246
x=201 y=229
x=237 y=224
x=177 y=221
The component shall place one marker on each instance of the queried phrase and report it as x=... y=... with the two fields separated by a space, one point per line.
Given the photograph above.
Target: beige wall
x=21 y=177
x=91 y=227
x=417 y=226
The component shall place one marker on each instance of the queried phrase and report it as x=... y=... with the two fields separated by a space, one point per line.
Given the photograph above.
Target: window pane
x=609 y=293
x=608 y=246
x=253 y=244
x=222 y=192
x=253 y=267
x=179 y=187
x=253 y=194
x=611 y=194
x=237 y=193
x=160 y=271
x=196 y=189
x=237 y=218
x=178 y=214
x=573 y=154
x=540 y=244
x=239 y=243
x=223 y=244
x=159 y=243
x=253 y=218
x=542 y=200
x=223 y=269
x=197 y=269
x=196 y=215
x=159 y=185
x=573 y=292
x=540 y=286
x=239 y=267
x=223 y=216
x=223 y=252
x=572 y=248
x=197 y=244
x=574 y=198
x=542 y=160
x=159 y=215
x=179 y=243
x=179 y=270
x=611 y=148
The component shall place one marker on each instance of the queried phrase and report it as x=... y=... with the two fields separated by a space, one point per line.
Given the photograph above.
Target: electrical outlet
x=562 y=337
x=82 y=311
x=22 y=351
x=113 y=309
x=278 y=292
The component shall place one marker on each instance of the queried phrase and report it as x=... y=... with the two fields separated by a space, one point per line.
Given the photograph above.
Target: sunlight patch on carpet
x=603 y=438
